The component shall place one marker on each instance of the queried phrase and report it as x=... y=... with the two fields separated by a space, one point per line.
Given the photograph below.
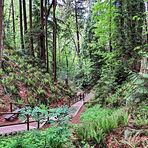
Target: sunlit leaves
x=104 y=14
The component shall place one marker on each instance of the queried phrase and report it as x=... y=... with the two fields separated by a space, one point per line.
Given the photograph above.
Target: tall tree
x=1 y=28
x=77 y=28
x=46 y=36
x=110 y=25
x=25 y=16
x=42 y=35
x=54 y=41
x=146 y=21
x=21 y=25
x=13 y=19
x=30 y=19
x=130 y=21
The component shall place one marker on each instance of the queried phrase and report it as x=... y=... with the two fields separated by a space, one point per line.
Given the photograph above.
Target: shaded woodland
x=56 y=53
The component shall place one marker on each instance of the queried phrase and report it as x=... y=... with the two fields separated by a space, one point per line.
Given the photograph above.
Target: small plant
x=19 y=101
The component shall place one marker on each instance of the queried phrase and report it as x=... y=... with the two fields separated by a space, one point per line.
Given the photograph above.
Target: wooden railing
x=71 y=101
x=27 y=120
x=15 y=103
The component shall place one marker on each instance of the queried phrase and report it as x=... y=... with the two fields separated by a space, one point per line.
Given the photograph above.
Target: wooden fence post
x=38 y=122
x=27 y=122
x=11 y=107
x=69 y=101
x=48 y=117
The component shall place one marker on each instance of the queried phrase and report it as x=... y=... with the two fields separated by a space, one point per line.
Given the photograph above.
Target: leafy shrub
x=54 y=137
x=113 y=73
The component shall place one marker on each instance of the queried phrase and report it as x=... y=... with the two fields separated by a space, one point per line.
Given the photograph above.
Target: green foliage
x=138 y=91
x=140 y=115
x=103 y=14
x=129 y=26
x=53 y=137
x=97 y=122
x=114 y=41
x=112 y=74
x=41 y=112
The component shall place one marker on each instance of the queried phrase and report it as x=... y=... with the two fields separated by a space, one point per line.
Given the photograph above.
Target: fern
x=97 y=122
x=138 y=91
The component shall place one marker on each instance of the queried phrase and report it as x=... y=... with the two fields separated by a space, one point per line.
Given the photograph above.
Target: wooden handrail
x=15 y=123
x=73 y=100
x=27 y=121
x=6 y=113
x=15 y=103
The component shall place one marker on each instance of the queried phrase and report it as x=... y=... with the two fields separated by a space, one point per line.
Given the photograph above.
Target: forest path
x=81 y=109
x=74 y=111
x=12 y=129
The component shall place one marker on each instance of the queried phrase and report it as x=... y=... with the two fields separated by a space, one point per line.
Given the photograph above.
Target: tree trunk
x=46 y=36
x=67 y=71
x=110 y=27
x=146 y=21
x=54 y=42
x=77 y=29
x=13 y=19
x=25 y=17
x=144 y=66
x=1 y=28
x=144 y=60
x=21 y=25
x=9 y=18
x=42 y=35
x=47 y=13
x=30 y=18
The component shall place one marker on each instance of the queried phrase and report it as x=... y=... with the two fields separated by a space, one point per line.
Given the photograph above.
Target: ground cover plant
x=96 y=122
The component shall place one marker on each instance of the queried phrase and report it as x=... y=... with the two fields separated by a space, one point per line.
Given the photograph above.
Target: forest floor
x=135 y=138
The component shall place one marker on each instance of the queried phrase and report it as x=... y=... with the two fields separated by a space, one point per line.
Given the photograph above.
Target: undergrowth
x=96 y=122
x=19 y=74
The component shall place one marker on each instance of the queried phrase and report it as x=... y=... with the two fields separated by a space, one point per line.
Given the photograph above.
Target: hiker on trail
x=81 y=95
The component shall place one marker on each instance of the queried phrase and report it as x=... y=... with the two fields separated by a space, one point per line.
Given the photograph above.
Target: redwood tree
x=1 y=34
x=21 y=25
x=42 y=35
x=110 y=26
x=30 y=19
x=46 y=35
x=25 y=17
x=54 y=41
x=77 y=28
x=13 y=19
